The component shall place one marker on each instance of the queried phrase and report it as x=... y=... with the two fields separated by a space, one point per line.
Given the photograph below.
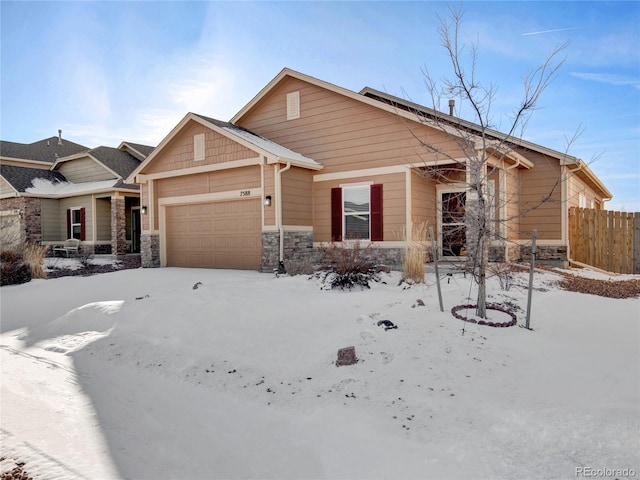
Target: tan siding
x=540 y=204
x=297 y=185
x=423 y=201
x=209 y=182
x=393 y=205
x=178 y=153
x=270 y=189
x=103 y=219
x=512 y=182
x=84 y=170
x=52 y=229
x=5 y=187
x=577 y=186
x=341 y=133
x=144 y=201
x=77 y=202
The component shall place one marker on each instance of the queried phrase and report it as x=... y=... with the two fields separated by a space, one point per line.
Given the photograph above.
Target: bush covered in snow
x=347 y=265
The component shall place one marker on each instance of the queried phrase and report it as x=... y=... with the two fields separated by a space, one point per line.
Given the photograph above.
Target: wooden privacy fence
x=605 y=239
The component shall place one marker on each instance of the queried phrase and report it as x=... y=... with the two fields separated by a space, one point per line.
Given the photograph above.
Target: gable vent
x=198 y=147
x=293 y=105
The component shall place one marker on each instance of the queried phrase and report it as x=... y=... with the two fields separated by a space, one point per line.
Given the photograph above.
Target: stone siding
x=150 y=250
x=118 y=227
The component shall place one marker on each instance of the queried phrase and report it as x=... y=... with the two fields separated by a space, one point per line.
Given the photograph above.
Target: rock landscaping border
x=457 y=308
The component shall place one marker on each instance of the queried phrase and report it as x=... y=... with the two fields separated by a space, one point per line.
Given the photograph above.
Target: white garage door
x=215 y=235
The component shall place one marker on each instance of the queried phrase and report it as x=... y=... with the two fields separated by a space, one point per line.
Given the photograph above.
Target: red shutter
x=82 y=218
x=336 y=214
x=68 y=223
x=376 y=213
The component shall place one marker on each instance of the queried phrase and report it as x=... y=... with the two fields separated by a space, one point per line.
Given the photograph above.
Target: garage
x=225 y=234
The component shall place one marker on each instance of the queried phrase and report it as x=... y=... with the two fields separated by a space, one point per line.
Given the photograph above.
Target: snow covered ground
x=137 y=374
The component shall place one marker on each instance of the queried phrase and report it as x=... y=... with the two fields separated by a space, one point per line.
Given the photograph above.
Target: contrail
x=550 y=31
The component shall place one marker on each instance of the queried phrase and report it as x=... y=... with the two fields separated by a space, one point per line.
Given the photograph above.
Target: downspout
x=279 y=208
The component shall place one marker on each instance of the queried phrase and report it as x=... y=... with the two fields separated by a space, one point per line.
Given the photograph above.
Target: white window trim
x=353 y=214
x=71 y=222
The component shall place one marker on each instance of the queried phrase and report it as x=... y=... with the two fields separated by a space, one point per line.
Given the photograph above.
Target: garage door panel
x=214 y=235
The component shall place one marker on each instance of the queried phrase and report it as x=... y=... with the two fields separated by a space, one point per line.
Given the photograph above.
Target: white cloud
x=609 y=78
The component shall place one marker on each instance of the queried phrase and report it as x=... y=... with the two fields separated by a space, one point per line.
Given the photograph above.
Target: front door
x=135 y=230
x=453 y=229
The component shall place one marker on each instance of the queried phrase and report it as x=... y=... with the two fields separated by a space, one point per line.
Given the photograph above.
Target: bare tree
x=477 y=142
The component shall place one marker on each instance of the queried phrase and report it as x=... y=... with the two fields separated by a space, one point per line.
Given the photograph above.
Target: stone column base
x=150 y=250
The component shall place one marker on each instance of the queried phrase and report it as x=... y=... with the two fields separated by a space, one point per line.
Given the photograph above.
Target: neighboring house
x=71 y=192
x=306 y=162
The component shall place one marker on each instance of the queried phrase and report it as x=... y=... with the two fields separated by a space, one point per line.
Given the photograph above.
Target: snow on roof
x=271 y=147
x=47 y=187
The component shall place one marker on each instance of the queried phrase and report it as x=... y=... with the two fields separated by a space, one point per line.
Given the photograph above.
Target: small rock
x=346 y=356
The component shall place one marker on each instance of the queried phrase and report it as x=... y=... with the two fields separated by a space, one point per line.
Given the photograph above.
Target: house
x=54 y=189
x=306 y=162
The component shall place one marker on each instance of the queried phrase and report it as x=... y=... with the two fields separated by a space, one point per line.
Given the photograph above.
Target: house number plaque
x=245 y=193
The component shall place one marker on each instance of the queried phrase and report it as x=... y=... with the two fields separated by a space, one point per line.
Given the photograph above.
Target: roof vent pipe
x=452 y=104
x=59 y=137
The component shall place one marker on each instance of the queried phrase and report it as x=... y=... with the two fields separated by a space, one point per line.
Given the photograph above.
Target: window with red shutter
x=76 y=219
x=356 y=213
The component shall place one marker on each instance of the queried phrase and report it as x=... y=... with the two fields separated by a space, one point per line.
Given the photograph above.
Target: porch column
x=118 y=227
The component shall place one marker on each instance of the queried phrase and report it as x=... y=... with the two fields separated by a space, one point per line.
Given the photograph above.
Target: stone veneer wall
x=32 y=219
x=300 y=252
x=118 y=227
x=552 y=255
x=150 y=250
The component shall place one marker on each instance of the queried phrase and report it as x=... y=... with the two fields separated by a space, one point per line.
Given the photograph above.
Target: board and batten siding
x=85 y=202
x=52 y=229
x=84 y=170
x=179 y=153
x=297 y=190
x=340 y=132
x=103 y=219
x=393 y=204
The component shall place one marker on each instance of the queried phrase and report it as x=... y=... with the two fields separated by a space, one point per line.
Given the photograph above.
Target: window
x=356 y=213
x=198 y=147
x=582 y=200
x=293 y=105
x=75 y=223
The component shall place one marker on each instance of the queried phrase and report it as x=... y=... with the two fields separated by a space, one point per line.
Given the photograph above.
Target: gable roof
x=419 y=113
x=274 y=152
x=117 y=160
x=136 y=149
x=47 y=150
x=21 y=178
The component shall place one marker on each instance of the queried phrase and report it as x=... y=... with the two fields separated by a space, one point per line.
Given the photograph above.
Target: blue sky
x=104 y=72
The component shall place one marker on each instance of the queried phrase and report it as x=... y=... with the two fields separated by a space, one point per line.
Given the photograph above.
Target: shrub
x=504 y=271
x=33 y=254
x=13 y=269
x=347 y=265
x=415 y=255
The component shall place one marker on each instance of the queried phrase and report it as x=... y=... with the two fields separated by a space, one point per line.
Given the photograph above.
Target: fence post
x=534 y=234
x=435 y=264
x=635 y=231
